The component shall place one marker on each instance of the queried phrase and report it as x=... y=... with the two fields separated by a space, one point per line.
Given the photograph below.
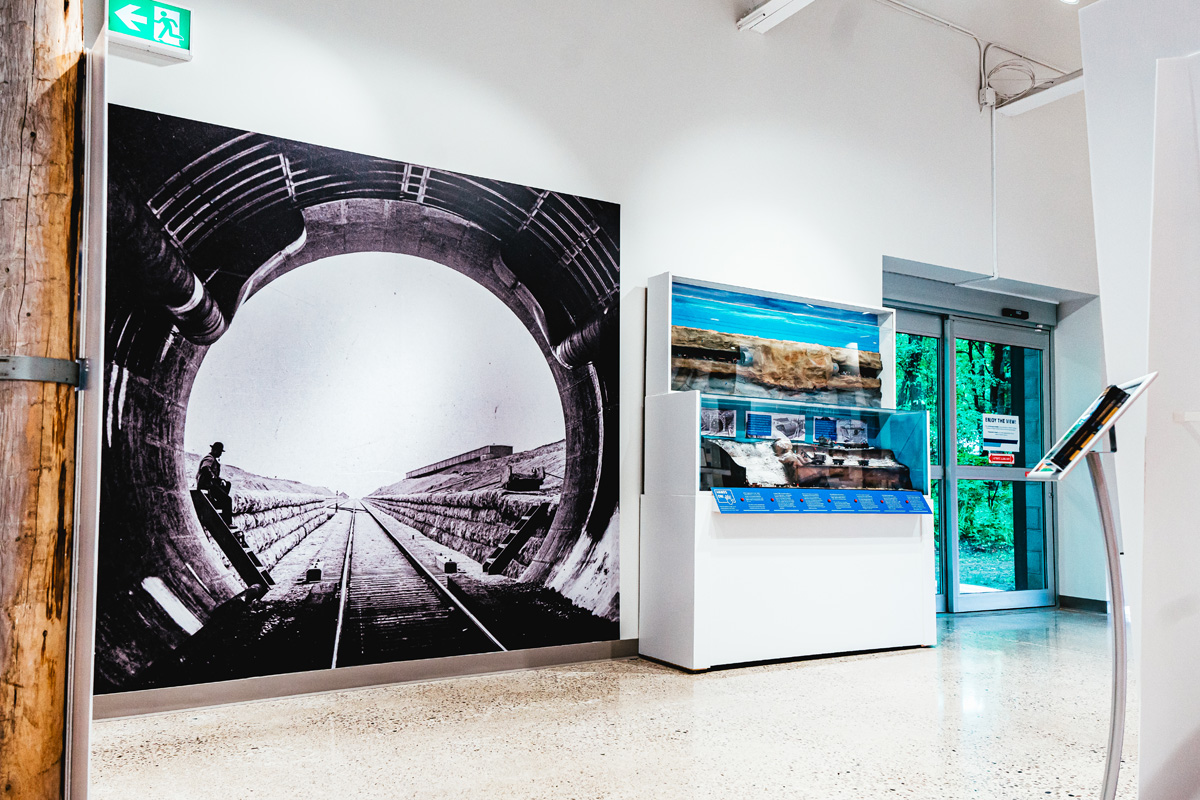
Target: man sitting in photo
x=208 y=480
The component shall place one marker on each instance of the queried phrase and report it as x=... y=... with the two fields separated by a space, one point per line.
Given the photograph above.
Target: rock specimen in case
x=728 y=363
x=837 y=468
x=772 y=464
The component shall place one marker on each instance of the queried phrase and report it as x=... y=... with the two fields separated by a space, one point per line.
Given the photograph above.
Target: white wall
x=1046 y=231
x=1078 y=377
x=1044 y=220
x=792 y=161
x=1170 y=739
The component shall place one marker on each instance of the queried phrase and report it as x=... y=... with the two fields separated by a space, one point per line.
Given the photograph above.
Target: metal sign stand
x=1081 y=439
x=1116 y=613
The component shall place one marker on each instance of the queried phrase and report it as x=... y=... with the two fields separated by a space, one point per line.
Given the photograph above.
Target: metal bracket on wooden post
x=44 y=370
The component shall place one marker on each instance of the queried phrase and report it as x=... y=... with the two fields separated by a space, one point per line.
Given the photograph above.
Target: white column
x=1121 y=42
x=1170 y=763
x=1150 y=321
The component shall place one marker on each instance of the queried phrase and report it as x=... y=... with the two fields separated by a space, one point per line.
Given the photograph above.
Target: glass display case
x=770 y=450
x=749 y=442
x=750 y=345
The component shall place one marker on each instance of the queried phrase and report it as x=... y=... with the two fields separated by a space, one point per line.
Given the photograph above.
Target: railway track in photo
x=392 y=608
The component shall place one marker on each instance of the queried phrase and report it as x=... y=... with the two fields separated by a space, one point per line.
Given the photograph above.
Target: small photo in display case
x=851 y=431
x=720 y=422
x=789 y=425
x=762 y=425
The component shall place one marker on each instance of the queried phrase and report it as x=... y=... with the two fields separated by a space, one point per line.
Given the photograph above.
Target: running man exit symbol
x=148 y=25
x=166 y=26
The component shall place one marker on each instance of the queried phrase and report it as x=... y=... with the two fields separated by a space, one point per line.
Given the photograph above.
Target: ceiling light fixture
x=770 y=14
x=1043 y=93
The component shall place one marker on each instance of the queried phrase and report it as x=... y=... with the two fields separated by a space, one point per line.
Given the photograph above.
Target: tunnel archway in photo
x=201 y=218
x=357 y=369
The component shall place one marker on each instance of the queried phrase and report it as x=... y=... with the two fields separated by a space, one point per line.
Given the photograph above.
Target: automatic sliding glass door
x=1001 y=404
x=994 y=537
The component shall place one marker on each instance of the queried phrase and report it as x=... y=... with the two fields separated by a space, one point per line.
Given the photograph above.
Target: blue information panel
x=758 y=426
x=819 y=501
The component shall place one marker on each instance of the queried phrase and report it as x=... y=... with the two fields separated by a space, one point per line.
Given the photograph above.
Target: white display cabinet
x=730 y=576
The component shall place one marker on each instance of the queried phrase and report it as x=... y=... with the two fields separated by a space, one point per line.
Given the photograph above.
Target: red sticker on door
x=1002 y=458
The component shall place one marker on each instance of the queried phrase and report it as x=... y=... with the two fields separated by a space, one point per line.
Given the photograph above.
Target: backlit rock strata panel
x=729 y=363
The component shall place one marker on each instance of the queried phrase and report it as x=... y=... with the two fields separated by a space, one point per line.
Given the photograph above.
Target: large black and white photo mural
x=357 y=411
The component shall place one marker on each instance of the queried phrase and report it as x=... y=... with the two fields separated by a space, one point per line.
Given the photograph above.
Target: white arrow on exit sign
x=130 y=17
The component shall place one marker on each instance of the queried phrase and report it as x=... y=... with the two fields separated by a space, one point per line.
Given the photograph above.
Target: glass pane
x=1001 y=536
x=748 y=442
x=998 y=403
x=726 y=342
x=939 y=548
x=917 y=381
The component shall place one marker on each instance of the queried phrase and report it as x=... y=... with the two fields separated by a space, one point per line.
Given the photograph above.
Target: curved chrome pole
x=1116 y=613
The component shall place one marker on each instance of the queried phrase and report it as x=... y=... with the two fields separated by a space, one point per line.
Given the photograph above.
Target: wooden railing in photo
x=526 y=526
x=241 y=556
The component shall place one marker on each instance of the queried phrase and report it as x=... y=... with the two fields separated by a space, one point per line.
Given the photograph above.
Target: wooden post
x=41 y=42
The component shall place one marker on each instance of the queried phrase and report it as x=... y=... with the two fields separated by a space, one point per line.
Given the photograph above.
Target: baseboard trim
x=269 y=687
x=1082 y=604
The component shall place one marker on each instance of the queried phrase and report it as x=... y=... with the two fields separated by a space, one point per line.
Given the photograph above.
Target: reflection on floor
x=1009 y=705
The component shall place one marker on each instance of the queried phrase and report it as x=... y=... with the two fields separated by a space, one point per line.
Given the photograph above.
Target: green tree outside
x=984 y=385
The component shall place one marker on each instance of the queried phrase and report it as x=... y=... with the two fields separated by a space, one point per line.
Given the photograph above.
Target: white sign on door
x=1001 y=432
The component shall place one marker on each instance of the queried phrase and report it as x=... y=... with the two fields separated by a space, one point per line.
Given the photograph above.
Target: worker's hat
x=217 y=445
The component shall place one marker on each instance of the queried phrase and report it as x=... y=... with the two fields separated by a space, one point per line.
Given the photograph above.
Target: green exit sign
x=147 y=25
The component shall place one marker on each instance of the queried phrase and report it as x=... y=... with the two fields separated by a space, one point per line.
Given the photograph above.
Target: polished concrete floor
x=1009 y=705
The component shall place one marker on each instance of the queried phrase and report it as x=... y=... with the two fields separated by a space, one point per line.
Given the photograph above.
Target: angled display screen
x=1097 y=420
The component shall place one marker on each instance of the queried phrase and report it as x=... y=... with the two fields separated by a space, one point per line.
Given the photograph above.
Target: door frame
x=947 y=327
